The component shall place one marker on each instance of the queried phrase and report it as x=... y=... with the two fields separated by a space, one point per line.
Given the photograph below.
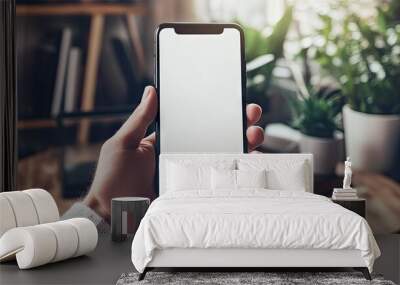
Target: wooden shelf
x=36 y=124
x=52 y=123
x=97 y=12
x=79 y=9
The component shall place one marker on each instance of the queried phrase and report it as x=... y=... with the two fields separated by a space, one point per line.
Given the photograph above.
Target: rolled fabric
x=45 y=205
x=40 y=244
x=67 y=240
x=7 y=218
x=87 y=235
x=33 y=246
x=23 y=208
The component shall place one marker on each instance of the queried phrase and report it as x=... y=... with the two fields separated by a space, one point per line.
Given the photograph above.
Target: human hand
x=126 y=165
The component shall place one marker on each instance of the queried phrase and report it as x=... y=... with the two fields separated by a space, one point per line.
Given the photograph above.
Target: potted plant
x=261 y=53
x=315 y=115
x=364 y=56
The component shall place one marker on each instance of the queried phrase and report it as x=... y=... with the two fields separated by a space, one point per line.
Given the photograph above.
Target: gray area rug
x=228 y=278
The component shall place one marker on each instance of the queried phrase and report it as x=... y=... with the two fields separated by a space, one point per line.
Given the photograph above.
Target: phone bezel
x=199 y=28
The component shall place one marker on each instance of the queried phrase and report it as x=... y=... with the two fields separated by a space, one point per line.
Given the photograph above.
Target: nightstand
x=356 y=205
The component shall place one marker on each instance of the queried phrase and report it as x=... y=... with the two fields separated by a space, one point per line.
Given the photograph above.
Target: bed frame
x=246 y=258
x=249 y=259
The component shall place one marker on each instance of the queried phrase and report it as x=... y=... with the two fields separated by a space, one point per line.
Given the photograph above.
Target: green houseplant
x=315 y=115
x=363 y=55
x=261 y=53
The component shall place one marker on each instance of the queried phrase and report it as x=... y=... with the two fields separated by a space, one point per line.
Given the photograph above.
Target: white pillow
x=237 y=179
x=281 y=175
x=193 y=174
x=182 y=177
x=223 y=179
x=251 y=178
x=291 y=179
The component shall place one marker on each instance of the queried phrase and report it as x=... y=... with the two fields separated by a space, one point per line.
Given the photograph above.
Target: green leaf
x=365 y=88
x=258 y=45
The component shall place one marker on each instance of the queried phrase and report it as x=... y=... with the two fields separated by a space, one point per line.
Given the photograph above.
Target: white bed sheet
x=251 y=218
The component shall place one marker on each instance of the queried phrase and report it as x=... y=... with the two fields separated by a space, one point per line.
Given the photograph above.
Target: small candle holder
x=126 y=214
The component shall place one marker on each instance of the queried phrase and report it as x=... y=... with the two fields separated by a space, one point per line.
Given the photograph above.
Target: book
x=344 y=198
x=340 y=190
x=127 y=68
x=36 y=77
x=61 y=72
x=72 y=79
x=345 y=194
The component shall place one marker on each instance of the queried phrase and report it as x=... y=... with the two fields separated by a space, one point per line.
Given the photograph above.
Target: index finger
x=253 y=113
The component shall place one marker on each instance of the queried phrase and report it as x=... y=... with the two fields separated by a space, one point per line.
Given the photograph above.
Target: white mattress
x=252 y=218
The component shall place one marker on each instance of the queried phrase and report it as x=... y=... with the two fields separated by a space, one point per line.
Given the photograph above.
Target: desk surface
x=102 y=266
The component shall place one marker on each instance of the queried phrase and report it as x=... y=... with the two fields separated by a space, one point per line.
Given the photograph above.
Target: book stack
x=344 y=194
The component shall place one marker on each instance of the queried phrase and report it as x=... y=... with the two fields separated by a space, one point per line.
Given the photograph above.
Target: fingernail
x=145 y=93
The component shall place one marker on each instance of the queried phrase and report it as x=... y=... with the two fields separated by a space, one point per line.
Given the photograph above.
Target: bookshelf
x=97 y=13
x=36 y=124
x=79 y=9
x=52 y=123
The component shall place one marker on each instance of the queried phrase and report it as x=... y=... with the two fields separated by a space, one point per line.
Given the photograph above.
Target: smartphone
x=201 y=83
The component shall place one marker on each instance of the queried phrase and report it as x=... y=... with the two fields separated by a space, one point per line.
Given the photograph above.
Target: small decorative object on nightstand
x=347 y=196
x=126 y=214
x=356 y=205
x=345 y=193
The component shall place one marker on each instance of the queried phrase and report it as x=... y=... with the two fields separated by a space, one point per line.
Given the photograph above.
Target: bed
x=247 y=211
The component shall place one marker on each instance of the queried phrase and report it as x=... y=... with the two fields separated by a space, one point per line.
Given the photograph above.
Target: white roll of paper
x=40 y=244
x=7 y=218
x=23 y=208
x=33 y=246
x=45 y=205
x=87 y=234
x=67 y=240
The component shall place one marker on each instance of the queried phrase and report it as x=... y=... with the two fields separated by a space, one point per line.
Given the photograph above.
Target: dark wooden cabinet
x=355 y=205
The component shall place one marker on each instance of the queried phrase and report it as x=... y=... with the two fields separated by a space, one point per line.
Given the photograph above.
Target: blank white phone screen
x=200 y=92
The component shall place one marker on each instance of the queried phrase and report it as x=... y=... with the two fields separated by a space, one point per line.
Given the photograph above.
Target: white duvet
x=253 y=218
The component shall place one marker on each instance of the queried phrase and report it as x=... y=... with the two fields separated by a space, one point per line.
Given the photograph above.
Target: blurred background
x=326 y=74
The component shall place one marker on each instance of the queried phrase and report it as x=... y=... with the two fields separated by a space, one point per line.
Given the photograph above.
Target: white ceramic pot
x=327 y=152
x=372 y=141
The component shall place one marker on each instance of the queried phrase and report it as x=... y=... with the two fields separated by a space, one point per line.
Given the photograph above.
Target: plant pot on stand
x=327 y=152
x=372 y=141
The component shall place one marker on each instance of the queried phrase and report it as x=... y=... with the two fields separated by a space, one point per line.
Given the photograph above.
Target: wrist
x=91 y=202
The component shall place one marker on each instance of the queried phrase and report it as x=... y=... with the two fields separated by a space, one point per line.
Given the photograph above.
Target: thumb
x=133 y=130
